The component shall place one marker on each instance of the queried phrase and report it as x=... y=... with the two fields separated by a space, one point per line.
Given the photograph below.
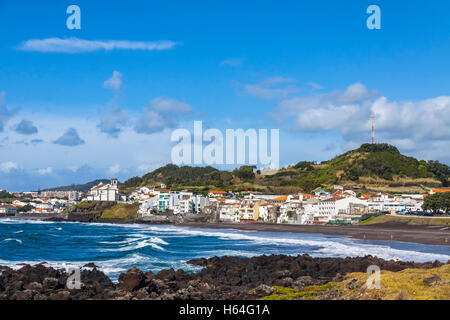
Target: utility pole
x=373 y=129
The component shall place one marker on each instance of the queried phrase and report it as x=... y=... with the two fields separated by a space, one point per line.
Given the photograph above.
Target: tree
x=5 y=195
x=304 y=165
x=438 y=203
x=378 y=147
x=25 y=208
x=245 y=172
x=133 y=182
x=440 y=170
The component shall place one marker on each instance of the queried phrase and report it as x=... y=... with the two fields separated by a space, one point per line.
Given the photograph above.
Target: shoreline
x=430 y=235
x=419 y=234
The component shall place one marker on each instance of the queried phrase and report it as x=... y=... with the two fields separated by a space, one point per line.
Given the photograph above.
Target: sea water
x=117 y=248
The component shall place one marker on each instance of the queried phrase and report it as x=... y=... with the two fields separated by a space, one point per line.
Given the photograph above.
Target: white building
x=266 y=212
x=229 y=212
x=334 y=206
x=6 y=209
x=105 y=192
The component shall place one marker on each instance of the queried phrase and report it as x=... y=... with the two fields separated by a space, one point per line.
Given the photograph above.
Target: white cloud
x=70 y=138
x=115 y=82
x=113 y=121
x=161 y=113
x=320 y=104
x=411 y=125
x=75 y=45
x=115 y=169
x=44 y=171
x=6 y=167
x=86 y=162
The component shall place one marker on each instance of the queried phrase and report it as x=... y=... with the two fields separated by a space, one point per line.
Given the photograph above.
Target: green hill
x=371 y=166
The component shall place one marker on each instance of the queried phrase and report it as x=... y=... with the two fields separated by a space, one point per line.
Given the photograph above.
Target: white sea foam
x=13 y=239
x=335 y=246
x=24 y=221
x=136 y=243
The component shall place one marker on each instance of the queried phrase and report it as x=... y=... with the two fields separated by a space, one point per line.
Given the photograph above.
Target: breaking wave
x=117 y=248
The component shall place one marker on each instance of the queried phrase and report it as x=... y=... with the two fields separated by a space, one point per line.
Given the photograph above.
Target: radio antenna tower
x=373 y=129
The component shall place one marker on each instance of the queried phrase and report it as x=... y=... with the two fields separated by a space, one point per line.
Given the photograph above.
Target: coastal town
x=337 y=206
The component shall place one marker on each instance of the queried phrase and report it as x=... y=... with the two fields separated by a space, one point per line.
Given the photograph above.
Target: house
x=7 y=210
x=216 y=194
x=105 y=192
x=290 y=211
x=74 y=195
x=267 y=213
x=279 y=200
x=229 y=212
x=249 y=211
x=334 y=206
x=190 y=204
x=164 y=201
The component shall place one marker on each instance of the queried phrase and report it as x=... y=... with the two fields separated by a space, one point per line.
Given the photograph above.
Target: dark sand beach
x=437 y=235
x=396 y=231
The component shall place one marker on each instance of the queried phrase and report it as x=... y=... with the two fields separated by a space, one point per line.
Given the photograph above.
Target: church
x=105 y=192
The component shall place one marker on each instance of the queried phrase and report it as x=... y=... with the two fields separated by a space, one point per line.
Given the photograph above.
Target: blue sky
x=310 y=68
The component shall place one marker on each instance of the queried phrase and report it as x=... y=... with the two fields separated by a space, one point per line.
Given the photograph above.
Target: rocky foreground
x=220 y=279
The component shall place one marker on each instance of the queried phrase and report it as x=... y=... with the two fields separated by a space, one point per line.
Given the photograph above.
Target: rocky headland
x=225 y=278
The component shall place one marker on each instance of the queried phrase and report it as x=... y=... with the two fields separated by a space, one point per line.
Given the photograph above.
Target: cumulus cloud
x=410 y=125
x=75 y=45
x=271 y=88
x=70 y=138
x=115 y=82
x=5 y=113
x=113 y=121
x=161 y=113
x=6 y=167
x=26 y=127
x=322 y=104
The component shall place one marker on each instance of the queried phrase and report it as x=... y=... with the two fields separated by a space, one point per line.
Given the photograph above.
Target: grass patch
x=121 y=211
x=309 y=293
x=367 y=221
x=412 y=221
x=407 y=284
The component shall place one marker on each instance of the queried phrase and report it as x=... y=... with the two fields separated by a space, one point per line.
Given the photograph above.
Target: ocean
x=117 y=248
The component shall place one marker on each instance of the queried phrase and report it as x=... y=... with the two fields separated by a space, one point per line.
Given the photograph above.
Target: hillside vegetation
x=105 y=209
x=372 y=166
x=408 y=284
x=412 y=221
